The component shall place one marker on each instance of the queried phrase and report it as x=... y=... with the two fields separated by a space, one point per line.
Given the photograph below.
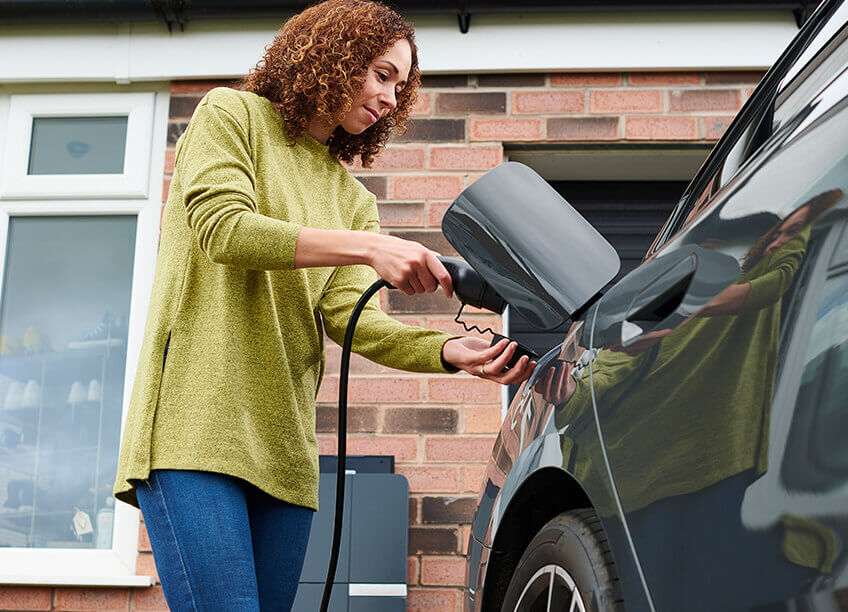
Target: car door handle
x=659 y=300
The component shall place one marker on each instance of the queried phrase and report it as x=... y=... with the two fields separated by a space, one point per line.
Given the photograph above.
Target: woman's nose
x=389 y=99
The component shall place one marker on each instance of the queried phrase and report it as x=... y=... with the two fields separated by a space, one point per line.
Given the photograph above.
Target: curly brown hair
x=318 y=62
x=812 y=208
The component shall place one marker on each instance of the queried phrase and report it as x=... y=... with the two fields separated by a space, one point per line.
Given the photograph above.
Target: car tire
x=571 y=554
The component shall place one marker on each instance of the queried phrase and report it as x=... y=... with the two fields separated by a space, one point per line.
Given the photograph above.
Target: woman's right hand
x=408 y=265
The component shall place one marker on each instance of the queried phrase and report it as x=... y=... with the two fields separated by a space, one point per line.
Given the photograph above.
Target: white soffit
x=495 y=43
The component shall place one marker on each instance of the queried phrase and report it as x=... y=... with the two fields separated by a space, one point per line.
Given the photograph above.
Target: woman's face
x=793 y=224
x=387 y=75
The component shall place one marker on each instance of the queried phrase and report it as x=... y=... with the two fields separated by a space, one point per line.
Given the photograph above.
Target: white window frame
x=133 y=182
x=115 y=566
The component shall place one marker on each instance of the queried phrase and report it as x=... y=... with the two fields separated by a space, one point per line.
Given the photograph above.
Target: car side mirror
x=525 y=240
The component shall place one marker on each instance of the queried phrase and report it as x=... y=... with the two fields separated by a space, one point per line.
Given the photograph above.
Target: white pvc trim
x=90 y=581
x=682 y=40
x=376 y=590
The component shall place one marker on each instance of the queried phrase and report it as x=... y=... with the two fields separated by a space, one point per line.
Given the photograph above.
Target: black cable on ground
x=342 y=433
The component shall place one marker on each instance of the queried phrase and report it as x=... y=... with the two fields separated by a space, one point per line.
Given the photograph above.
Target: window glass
x=63 y=331
x=817 y=456
x=78 y=145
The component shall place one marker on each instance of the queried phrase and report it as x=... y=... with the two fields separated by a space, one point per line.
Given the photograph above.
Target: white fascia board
x=495 y=43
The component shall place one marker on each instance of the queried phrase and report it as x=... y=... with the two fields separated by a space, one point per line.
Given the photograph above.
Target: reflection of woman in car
x=702 y=393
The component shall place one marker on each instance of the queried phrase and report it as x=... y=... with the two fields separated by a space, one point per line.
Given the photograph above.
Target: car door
x=689 y=344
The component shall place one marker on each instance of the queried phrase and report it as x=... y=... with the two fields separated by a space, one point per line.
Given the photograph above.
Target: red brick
x=505 y=129
x=715 y=126
x=143 y=539
x=359 y=418
x=166 y=186
x=183 y=105
x=197 y=86
x=547 y=102
x=422 y=104
x=662 y=128
x=705 y=100
x=482 y=419
x=431 y=187
x=24 y=598
x=625 y=100
x=431 y=479
x=462 y=389
x=447 y=510
x=432 y=130
x=149 y=600
x=413 y=511
x=412 y=565
x=403 y=448
x=175 y=130
x=476 y=102
x=586 y=79
x=511 y=80
x=465 y=158
x=472 y=478
x=433 y=600
x=376 y=389
x=420 y=420
x=729 y=77
x=170 y=154
x=80 y=599
x=664 y=78
x=397 y=158
x=433 y=540
x=329 y=391
x=458 y=448
x=443 y=571
x=146 y=566
x=327 y=445
x=436 y=212
x=409 y=214
x=583 y=128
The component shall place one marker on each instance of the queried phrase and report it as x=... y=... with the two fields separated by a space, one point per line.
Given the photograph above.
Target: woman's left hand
x=475 y=356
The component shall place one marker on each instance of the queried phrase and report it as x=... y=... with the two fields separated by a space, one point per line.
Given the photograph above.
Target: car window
x=806 y=66
x=816 y=456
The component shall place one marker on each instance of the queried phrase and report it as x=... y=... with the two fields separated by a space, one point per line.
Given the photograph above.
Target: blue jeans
x=222 y=544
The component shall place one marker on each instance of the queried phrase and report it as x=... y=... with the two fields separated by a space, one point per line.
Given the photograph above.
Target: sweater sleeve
x=769 y=286
x=378 y=337
x=217 y=174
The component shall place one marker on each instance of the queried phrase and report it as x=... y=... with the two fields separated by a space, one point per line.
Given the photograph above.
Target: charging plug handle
x=470 y=288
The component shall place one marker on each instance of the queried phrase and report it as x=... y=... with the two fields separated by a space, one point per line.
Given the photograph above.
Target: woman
x=267 y=241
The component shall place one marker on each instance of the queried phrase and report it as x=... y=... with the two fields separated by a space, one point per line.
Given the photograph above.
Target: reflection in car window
x=818 y=61
x=816 y=446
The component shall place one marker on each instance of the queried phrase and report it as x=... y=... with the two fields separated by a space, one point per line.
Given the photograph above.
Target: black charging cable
x=470 y=288
x=342 y=433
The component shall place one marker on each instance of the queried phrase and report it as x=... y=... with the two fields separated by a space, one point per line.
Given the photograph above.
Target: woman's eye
x=383 y=76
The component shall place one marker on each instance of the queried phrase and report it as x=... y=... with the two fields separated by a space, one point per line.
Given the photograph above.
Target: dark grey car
x=686 y=446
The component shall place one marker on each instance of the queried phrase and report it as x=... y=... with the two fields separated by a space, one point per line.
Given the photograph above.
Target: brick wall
x=441 y=428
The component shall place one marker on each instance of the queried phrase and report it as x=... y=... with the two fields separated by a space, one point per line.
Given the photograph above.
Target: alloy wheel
x=551 y=589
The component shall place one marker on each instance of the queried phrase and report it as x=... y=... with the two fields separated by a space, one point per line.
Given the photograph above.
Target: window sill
x=90 y=581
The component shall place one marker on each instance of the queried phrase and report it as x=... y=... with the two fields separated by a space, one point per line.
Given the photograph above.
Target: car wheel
x=567 y=566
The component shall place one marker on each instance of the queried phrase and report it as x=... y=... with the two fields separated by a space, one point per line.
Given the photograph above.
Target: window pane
x=63 y=331
x=78 y=145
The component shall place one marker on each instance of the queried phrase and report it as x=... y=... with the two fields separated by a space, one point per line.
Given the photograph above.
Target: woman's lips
x=373 y=114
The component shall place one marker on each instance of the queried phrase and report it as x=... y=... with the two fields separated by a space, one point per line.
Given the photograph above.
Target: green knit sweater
x=235 y=393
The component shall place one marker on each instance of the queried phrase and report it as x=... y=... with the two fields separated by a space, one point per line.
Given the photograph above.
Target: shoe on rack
x=32 y=395
x=14 y=396
x=94 y=390
x=77 y=393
